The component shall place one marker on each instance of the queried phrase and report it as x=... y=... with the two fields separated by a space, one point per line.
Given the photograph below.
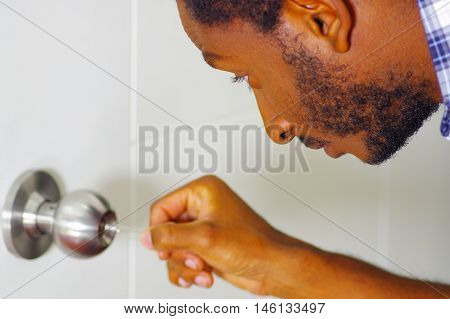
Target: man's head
x=348 y=76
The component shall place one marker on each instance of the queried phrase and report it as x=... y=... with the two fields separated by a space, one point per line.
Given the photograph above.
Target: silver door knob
x=81 y=223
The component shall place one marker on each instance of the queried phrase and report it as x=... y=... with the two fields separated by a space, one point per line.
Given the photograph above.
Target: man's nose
x=279 y=130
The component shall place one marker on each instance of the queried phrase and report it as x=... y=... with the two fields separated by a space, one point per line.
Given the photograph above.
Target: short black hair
x=263 y=14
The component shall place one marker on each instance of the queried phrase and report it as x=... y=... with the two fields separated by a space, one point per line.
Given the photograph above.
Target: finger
x=197 y=237
x=184 y=277
x=164 y=255
x=190 y=260
x=146 y=241
x=175 y=279
x=183 y=218
x=173 y=206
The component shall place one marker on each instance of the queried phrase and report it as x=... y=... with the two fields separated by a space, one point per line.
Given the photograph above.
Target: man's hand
x=205 y=227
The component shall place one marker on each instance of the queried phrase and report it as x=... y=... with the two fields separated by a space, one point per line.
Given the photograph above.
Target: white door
x=79 y=79
x=61 y=112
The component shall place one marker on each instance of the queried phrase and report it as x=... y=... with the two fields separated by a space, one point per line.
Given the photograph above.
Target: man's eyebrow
x=210 y=57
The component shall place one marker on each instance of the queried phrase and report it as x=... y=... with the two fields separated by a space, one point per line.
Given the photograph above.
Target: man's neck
x=389 y=36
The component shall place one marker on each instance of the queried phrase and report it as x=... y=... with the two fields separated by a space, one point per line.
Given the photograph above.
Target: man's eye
x=239 y=79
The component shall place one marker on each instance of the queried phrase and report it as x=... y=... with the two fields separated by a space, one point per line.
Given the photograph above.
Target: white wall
x=61 y=112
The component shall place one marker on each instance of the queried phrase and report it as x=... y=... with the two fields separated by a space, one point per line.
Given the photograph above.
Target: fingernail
x=183 y=283
x=202 y=281
x=190 y=264
x=146 y=240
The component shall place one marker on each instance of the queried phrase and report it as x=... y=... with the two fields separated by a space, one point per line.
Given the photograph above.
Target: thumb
x=193 y=236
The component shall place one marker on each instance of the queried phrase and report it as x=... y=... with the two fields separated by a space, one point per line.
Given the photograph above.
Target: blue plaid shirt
x=436 y=20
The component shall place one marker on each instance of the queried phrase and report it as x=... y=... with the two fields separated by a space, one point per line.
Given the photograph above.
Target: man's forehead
x=210 y=39
x=190 y=26
x=217 y=37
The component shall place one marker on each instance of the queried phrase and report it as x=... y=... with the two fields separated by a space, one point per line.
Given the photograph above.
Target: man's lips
x=316 y=144
x=312 y=142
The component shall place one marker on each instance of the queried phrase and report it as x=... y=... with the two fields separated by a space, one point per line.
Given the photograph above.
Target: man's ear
x=330 y=20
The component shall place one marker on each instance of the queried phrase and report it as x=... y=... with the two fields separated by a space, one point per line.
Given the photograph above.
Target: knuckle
x=173 y=277
x=153 y=212
x=208 y=187
x=177 y=271
x=152 y=207
x=170 y=265
x=211 y=180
